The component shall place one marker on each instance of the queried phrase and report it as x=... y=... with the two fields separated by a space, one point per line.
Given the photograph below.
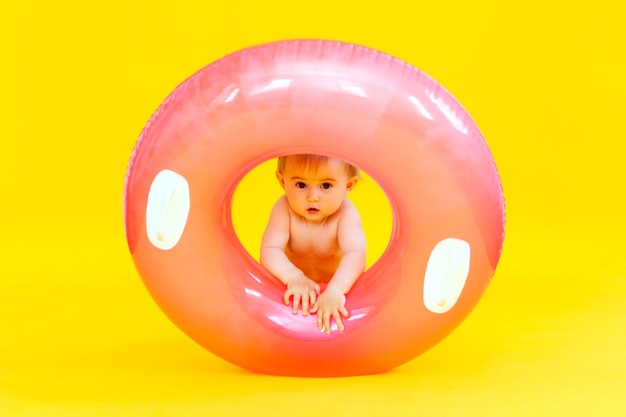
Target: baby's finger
x=337 y=318
x=326 y=318
x=314 y=308
x=286 y=297
x=305 y=304
x=296 y=303
x=344 y=311
x=313 y=297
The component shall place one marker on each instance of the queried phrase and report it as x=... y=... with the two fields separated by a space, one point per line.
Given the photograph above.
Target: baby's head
x=315 y=185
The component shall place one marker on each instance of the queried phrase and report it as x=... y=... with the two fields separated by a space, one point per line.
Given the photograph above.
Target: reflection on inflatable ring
x=338 y=99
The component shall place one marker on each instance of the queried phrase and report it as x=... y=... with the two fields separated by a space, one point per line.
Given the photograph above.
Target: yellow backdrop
x=79 y=335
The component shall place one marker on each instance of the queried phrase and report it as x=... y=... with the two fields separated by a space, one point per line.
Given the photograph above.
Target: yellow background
x=79 y=335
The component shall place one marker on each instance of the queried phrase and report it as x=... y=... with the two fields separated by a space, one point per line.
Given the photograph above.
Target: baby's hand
x=303 y=290
x=331 y=303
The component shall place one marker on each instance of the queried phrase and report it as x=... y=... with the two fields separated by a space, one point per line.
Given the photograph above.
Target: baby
x=314 y=236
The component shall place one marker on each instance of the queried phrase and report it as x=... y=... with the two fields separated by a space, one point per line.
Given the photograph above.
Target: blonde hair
x=313 y=160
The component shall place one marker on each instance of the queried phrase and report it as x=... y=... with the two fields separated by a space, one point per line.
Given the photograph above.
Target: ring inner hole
x=259 y=189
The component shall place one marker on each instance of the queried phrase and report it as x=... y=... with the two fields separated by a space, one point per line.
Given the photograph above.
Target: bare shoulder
x=349 y=211
x=277 y=229
x=279 y=216
x=281 y=207
x=281 y=202
x=350 y=233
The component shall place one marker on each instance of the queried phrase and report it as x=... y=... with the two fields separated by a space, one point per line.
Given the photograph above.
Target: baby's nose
x=313 y=195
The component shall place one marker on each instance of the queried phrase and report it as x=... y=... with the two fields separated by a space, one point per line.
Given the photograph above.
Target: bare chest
x=314 y=240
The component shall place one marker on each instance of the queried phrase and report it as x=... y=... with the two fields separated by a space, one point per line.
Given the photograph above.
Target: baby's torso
x=314 y=248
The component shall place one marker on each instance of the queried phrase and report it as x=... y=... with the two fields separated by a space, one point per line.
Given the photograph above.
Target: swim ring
x=333 y=98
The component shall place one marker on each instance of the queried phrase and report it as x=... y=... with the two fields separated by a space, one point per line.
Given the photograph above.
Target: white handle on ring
x=167 y=209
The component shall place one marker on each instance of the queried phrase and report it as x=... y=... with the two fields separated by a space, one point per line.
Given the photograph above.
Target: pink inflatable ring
x=338 y=99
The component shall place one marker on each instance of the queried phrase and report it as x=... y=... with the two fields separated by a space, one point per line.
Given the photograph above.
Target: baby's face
x=316 y=192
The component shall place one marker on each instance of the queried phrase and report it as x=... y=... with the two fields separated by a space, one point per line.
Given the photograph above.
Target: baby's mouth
x=312 y=210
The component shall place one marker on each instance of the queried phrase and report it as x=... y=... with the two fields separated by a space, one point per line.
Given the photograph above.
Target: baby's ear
x=351 y=183
x=281 y=179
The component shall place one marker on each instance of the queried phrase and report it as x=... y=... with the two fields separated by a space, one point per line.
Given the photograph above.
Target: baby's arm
x=273 y=258
x=331 y=303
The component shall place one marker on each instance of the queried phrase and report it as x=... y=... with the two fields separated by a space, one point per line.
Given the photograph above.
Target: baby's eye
x=300 y=185
x=326 y=186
